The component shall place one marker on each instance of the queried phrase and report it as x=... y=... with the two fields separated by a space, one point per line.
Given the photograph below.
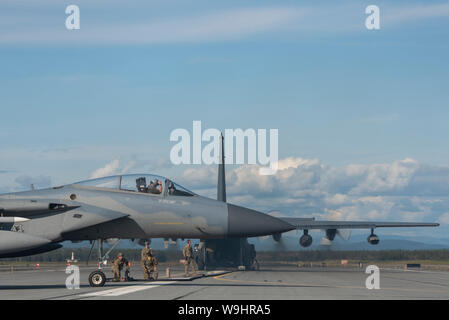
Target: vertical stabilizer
x=221 y=187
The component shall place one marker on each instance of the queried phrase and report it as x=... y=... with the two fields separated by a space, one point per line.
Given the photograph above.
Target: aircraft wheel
x=97 y=279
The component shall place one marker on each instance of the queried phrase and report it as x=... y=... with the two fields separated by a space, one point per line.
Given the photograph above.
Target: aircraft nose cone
x=243 y=222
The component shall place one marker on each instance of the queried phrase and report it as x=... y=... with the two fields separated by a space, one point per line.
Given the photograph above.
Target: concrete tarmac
x=283 y=282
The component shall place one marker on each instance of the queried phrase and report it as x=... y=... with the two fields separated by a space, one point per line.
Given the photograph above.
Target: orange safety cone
x=167 y=272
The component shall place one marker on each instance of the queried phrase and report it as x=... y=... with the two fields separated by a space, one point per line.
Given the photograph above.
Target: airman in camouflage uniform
x=118 y=264
x=153 y=273
x=146 y=252
x=187 y=252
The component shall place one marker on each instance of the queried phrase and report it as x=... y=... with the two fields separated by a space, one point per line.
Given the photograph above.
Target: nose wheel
x=97 y=279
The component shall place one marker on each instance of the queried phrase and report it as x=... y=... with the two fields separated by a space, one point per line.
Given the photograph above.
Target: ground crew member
x=146 y=252
x=153 y=273
x=188 y=259
x=118 y=264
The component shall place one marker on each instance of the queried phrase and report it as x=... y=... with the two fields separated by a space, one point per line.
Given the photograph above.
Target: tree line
x=81 y=255
x=387 y=255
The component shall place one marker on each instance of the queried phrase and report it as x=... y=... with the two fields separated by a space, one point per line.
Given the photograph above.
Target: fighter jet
x=145 y=206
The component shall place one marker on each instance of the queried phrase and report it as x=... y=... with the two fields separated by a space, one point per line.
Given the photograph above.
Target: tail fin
x=221 y=187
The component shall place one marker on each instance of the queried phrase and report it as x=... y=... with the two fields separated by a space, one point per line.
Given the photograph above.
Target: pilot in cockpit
x=151 y=187
x=158 y=186
x=155 y=187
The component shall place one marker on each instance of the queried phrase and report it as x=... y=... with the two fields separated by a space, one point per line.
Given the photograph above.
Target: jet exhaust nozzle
x=244 y=222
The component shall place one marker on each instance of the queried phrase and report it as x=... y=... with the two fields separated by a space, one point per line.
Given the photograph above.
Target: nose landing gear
x=97 y=278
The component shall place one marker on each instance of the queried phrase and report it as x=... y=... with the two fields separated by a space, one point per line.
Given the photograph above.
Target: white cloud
x=393 y=191
x=108 y=170
x=205 y=177
x=128 y=167
x=384 y=177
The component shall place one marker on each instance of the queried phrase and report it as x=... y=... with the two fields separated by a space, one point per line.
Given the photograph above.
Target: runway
x=270 y=283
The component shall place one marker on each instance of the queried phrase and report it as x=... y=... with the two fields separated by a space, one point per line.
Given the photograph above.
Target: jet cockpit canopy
x=144 y=183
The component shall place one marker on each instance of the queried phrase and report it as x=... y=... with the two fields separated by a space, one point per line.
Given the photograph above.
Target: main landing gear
x=225 y=253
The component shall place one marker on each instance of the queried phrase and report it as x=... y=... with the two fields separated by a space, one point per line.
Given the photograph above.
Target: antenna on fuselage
x=221 y=187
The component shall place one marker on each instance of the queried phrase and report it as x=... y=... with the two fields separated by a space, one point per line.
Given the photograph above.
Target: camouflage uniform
x=117 y=266
x=188 y=260
x=153 y=273
x=146 y=252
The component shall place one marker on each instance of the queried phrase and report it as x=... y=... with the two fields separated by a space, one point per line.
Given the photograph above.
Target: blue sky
x=72 y=102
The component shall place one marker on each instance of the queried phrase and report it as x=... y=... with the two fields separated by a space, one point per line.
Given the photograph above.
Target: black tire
x=97 y=279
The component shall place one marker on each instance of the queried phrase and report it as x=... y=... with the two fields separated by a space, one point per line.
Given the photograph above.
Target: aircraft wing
x=303 y=223
x=297 y=221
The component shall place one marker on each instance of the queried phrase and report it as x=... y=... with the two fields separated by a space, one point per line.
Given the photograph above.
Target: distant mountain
x=388 y=244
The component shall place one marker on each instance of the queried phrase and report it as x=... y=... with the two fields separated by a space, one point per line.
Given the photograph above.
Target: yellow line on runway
x=221 y=278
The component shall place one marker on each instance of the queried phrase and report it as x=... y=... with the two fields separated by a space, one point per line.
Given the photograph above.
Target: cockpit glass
x=151 y=184
x=175 y=189
x=107 y=182
x=144 y=183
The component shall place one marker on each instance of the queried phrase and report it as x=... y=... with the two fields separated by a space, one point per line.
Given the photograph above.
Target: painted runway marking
x=123 y=290
x=417 y=271
x=222 y=278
